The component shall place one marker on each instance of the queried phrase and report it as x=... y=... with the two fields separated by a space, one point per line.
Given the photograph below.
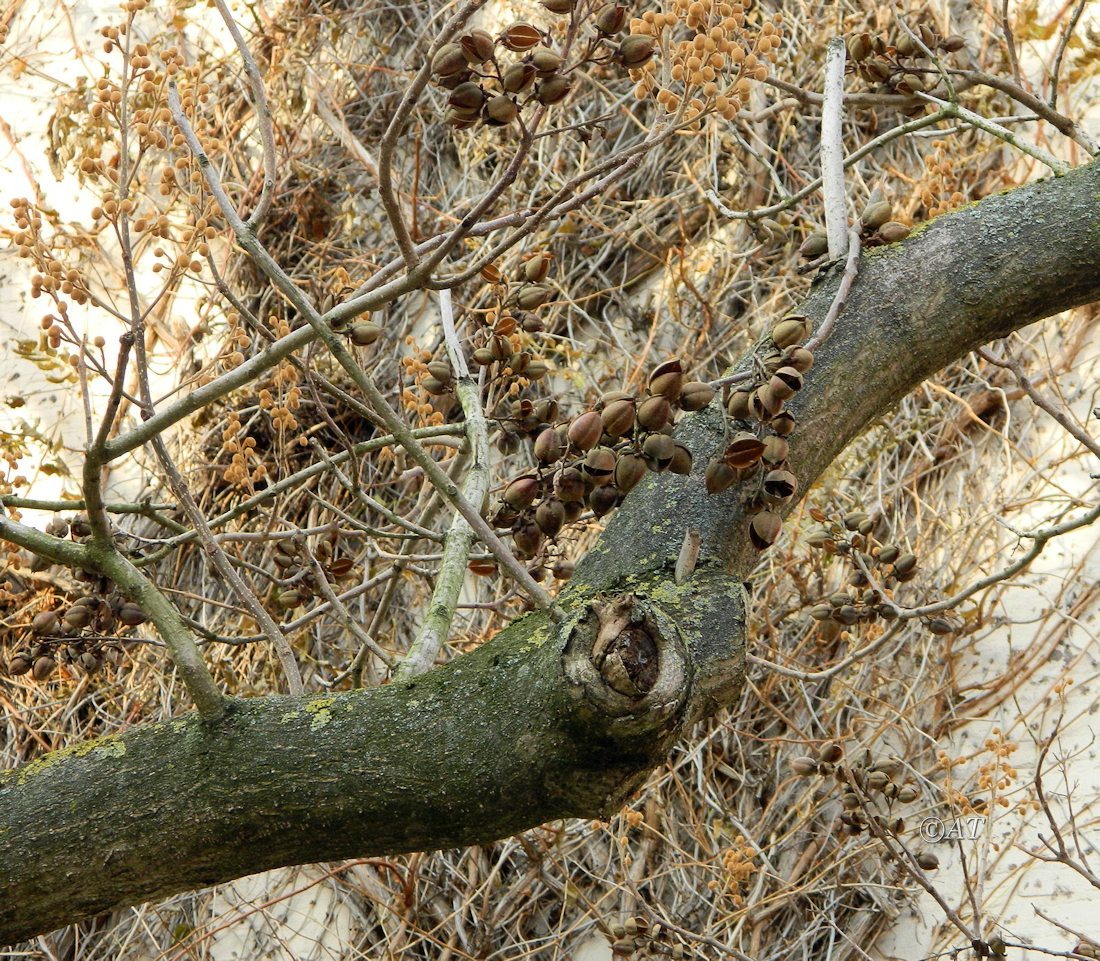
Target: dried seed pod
x=618 y=417
x=799 y=358
x=132 y=615
x=548 y=446
x=477 y=47
x=635 y=51
x=545 y=61
x=941 y=626
x=441 y=371
x=586 y=430
x=46 y=622
x=928 y=861
x=654 y=412
x=681 y=461
x=853 y=519
x=602 y=500
x=738 y=405
x=783 y=423
x=877 y=780
x=696 y=395
x=907 y=45
x=849 y=801
x=830 y=752
x=500 y=111
x=550 y=516
x=521 y=36
x=667 y=379
x=532 y=295
x=905 y=565
x=953 y=43
x=821 y=612
x=779 y=486
x=570 y=486
x=528 y=540
x=611 y=19
x=776 y=450
x=80 y=527
x=908 y=794
x=876 y=214
x=789 y=332
x=745 y=450
x=449 y=61
x=888 y=554
x=58 y=527
x=78 y=617
x=483 y=356
x=816 y=245
x=629 y=471
x=433 y=386
x=818 y=537
x=860 y=46
x=892 y=231
x=536 y=268
x=719 y=476
x=804 y=766
x=764 y=529
x=522 y=492
x=364 y=334
x=764 y=404
x=90 y=662
x=658 y=451
x=785 y=382
x=467 y=96
x=559 y=6
x=43 y=667
x=518 y=77
x=19 y=664
x=553 y=89
x=599 y=464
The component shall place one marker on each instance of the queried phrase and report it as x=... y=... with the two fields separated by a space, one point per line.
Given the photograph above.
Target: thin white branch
x=832 y=150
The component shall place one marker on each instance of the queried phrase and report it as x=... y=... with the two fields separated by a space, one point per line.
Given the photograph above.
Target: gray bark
x=544 y=721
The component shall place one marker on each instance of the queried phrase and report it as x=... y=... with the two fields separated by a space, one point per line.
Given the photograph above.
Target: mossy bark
x=528 y=728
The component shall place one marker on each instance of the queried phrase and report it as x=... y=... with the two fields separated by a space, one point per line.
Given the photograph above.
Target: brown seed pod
x=558 y=6
x=533 y=295
x=553 y=90
x=528 y=540
x=799 y=358
x=441 y=371
x=654 y=412
x=366 y=333
x=467 y=96
x=696 y=395
x=658 y=451
x=570 y=486
x=536 y=268
x=816 y=245
x=783 y=423
x=860 y=46
x=46 y=622
x=876 y=214
x=521 y=493
x=785 y=382
x=550 y=516
x=599 y=464
x=477 y=47
x=548 y=446
x=618 y=417
x=483 y=567
x=764 y=529
x=500 y=111
x=629 y=472
x=667 y=379
x=764 y=404
x=19 y=664
x=43 y=667
x=545 y=61
x=905 y=565
x=77 y=617
x=613 y=395
x=830 y=752
x=602 y=500
x=953 y=43
x=738 y=405
x=518 y=78
x=132 y=615
x=611 y=19
x=789 y=332
x=681 y=461
x=745 y=450
x=521 y=36
x=536 y=369
x=892 y=231
x=449 y=61
x=776 y=450
x=888 y=554
x=779 y=486
x=483 y=356
x=928 y=861
x=586 y=430
x=433 y=386
x=804 y=766
x=719 y=476
x=635 y=51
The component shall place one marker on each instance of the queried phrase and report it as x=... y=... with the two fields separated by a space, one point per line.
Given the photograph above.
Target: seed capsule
x=804 y=766
x=570 y=486
x=611 y=20
x=658 y=451
x=816 y=245
x=696 y=395
x=477 y=47
x=518 y=77
x=46 y=622
x=599 y=464
x=550 y=516
x=744 y=450
x=928 y=861
x=876 y=214
x=132 y=615
x=667 y=379
x=467 y=96
x=681 y=461
x=43 y=667
x=738 y=405
x=776 y=450
x=635 y=51
x=586 y=430
x=629 y=471
x=501 y=111
x=533 y=295
x=654 y=412
x=789 y=332
x=548 y=446
x=764 y=529
x=365 y=333
x=719 y=476
x=545 y=61
x=779 y=486
x=799 y=358
x=892 y=231
x=602 y=500
x=521 y=36
x=618 y=417
x=553 y=90
x=449 y=61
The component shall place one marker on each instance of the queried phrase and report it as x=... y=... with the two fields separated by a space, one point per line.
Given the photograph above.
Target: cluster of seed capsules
x=877 y=228
x=874 y=568
x=902 y=64
x=295 y=580
x=636 y=934
x=595 y=459
x=777 y=376
x=868 y=789
x=485 y=88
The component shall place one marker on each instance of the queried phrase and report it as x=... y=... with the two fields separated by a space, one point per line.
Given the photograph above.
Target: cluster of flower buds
x=867 y=790
x=778 y=377
x=594 y=459
x=875 y=569
x=902 y=62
